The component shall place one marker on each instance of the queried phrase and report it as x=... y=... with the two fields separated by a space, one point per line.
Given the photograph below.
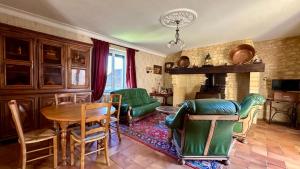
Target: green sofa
x=136 y=104
x=249 y=108
x=202 y=129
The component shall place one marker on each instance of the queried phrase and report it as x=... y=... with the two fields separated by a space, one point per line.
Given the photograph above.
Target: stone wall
x=282 y=60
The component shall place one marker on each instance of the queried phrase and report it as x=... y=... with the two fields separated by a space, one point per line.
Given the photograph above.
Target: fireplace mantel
x=259 y=67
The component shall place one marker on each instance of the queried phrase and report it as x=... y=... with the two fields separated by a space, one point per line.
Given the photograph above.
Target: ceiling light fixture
x=178 y=18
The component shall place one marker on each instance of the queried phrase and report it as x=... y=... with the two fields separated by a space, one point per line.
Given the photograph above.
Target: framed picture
x=157 y=69
x=149 y=69
x=168 y=66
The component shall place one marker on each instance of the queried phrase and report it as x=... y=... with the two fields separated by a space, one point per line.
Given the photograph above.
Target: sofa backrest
x=214 y=106
x=134 y=96
x=248 y=102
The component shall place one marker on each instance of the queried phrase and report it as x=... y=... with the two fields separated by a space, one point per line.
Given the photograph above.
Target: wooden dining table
x=68 y=114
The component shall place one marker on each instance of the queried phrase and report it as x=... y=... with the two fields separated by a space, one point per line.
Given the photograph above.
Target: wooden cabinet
x=33 y=67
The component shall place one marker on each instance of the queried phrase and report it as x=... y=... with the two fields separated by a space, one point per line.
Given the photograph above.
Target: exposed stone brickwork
x=220 y=56
x=282 y=60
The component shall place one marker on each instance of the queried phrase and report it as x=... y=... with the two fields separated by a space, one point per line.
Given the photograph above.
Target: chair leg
x=23 y=158
x=106 y=151
x=118 y=131
x=98 y=147
x=109 y=131
x=72 y=147
x=55 y=151
x=82 y=152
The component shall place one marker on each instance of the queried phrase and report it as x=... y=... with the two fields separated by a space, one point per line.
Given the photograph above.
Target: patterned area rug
x=152 y=132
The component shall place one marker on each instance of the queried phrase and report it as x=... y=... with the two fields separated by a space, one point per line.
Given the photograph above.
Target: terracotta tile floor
x=269 y=147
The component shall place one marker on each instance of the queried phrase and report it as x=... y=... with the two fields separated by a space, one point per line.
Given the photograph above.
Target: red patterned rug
x=152 y=132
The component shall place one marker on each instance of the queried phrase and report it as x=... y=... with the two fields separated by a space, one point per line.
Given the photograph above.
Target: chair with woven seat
x=65 y=98
x=62 y=99
x=88 y=134
x=32 y=137
x=116 y=100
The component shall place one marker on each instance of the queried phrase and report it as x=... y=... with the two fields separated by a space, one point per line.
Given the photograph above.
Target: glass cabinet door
x=51 y=64
x=17 y=62
x=17 y=75
x=52 y=76
x=78 y=77
x=17 y=49
x=78 y=61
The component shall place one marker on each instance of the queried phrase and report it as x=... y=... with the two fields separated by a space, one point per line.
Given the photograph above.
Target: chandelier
x=175 y=19
x=177 y=40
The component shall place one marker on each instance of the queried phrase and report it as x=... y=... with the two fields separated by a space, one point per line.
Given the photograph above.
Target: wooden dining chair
x=65 y=98
x=62 y=99
x=91 y=112
x=116 y=100
x=32 y=137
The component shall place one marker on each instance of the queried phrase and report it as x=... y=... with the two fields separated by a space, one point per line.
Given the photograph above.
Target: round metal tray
x=242 y=54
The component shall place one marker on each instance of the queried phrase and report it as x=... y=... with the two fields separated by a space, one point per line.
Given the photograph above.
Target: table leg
x=64 y=126
x=165 y=100
x=270 y=113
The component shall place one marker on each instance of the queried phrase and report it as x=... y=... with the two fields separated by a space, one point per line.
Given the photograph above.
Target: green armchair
x=202 y=129
x=136 y=104
x=249 y=109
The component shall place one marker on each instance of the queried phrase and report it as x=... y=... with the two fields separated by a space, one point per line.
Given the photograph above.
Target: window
x=115 y=70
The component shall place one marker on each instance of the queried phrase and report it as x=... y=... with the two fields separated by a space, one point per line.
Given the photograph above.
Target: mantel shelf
x=259 y=67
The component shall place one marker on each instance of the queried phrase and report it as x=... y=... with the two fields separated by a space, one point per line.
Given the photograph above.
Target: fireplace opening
x=214 y=86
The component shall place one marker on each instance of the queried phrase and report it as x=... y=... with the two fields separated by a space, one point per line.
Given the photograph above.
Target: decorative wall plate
x=242 y=54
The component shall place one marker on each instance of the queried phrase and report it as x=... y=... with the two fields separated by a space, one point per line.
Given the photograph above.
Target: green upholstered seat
x=249 y=108
x=137 y=102
x=187 y=125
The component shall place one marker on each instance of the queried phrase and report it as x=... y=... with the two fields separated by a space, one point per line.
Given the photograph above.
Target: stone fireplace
x=237 y=84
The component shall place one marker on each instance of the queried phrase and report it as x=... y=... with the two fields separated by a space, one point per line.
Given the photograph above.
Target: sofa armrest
x=176 y=120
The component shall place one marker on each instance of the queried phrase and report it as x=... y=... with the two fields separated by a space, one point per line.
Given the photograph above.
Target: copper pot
x=183 y=61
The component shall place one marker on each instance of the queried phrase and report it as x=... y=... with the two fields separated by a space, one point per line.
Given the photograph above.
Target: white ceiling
x=137 y=21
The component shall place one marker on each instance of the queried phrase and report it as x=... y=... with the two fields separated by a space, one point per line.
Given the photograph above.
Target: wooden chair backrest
x=14 y=109
x=213 y=119
x=65 y=98
x=90 y=113
x=116 y=104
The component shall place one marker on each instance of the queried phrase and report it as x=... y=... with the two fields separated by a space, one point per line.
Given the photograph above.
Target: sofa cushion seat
x=144 y=109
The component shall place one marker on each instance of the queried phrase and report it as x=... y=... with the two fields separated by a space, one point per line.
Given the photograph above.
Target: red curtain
x=130 y=69
x=99 y=67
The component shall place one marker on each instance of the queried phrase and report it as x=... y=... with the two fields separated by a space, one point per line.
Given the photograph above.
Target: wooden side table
x=163 y=95
x=292 y=109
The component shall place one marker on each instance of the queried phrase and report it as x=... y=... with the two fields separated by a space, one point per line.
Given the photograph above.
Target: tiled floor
x=269 y=146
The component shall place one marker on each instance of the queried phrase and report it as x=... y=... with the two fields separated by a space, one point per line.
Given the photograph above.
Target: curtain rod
x=123 y=46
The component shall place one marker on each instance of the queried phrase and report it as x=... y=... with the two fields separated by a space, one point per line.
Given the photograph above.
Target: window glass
x=115 y=71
